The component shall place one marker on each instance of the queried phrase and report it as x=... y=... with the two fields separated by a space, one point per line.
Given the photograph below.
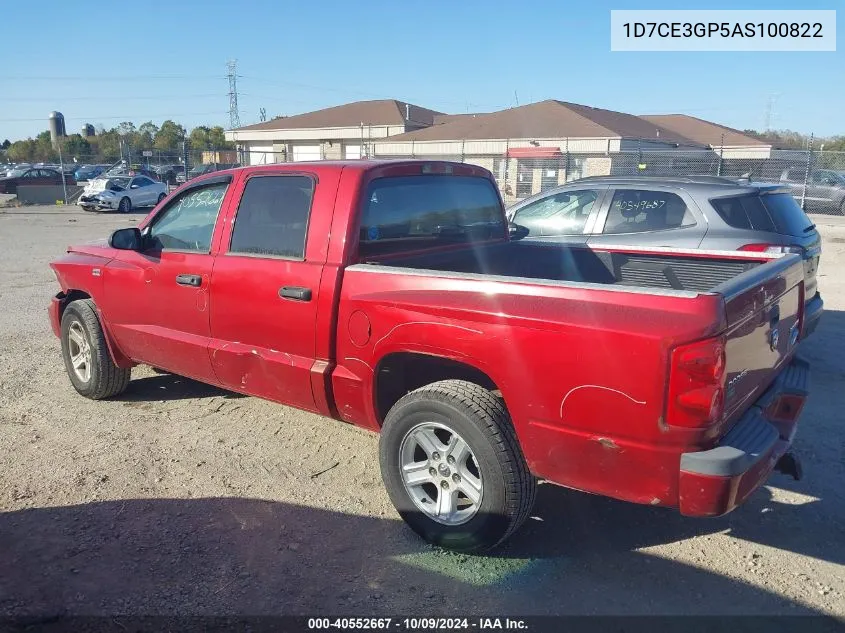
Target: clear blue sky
x=453 y=56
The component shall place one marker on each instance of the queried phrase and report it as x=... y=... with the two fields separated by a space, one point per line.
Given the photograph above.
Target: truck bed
x=582 y=264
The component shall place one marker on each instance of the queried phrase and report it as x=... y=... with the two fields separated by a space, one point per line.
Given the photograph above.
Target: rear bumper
x=812 y=315
x=714 y=482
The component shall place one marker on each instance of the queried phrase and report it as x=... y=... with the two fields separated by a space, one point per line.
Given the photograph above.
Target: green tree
x=169 y=136
x=204 y=138
x=22 y=151
x=106 y=145
x=74 y=146
x=217 y=138
x=199 y=138
x=44 y=147
x=126 y=128
x=6 y=144
x=835 y=144
x=146 y=135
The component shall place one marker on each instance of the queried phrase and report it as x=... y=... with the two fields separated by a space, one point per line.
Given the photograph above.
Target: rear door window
x=641 y=210
x=272 y=217
x=564 y=213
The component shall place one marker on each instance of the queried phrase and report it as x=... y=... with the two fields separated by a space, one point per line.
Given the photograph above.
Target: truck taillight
x=772 y=248
x=697 y=384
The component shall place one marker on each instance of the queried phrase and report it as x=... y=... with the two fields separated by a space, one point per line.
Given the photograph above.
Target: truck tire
x=87 y=361
x=453 y=468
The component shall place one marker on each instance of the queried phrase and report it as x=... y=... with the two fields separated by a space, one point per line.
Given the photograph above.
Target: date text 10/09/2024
x=417 y=624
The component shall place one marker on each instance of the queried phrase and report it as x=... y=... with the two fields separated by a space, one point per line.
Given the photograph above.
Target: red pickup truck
x=389 y=295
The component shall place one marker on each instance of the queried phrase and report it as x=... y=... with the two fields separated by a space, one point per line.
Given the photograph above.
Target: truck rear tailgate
x=764 y=308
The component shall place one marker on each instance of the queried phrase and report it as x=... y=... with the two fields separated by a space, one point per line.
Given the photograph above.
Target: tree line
x=123 y=140
x=787 y=139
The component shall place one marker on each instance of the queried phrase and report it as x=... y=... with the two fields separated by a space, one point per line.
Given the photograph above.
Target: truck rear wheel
x=87 y=361
x=453 y=468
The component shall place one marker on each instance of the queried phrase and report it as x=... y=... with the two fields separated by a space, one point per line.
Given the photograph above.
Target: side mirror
x=127 y=239
x=516 y=232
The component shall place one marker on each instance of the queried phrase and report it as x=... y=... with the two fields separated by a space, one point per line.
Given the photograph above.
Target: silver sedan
x=122 y=193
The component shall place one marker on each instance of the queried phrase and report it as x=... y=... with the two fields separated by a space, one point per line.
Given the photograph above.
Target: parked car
x=122 y=169
x=168 y=173
x=701 y=212
x=15 y=171
x=388 y=295
x=89 y=172
x=201 y=170
x=33 y=176
x=122 y=193
x=825 y=191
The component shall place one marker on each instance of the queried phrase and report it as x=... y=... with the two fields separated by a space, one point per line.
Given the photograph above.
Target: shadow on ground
x=229 y=556
x=165 y=386
x=578 y=554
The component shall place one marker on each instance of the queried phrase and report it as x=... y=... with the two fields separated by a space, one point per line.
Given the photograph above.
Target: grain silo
x=57 y=127
x=87 y=130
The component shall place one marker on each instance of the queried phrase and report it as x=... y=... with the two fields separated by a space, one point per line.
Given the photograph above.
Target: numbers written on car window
x=639 y=210
x=641 y=205
x=188 y=222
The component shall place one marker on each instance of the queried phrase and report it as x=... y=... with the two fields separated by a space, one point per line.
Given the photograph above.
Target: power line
x=113 y=98
x=133 y=77
x=124 y=117
x=370 y=95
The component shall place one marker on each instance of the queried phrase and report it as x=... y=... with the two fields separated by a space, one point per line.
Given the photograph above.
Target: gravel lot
x=178 y=498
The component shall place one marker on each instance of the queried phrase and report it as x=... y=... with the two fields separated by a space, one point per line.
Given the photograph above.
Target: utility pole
x=262 y=114
x=234 y=116
x=807 y=171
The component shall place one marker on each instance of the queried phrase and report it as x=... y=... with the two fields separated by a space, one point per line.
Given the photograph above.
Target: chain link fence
x=816 y=178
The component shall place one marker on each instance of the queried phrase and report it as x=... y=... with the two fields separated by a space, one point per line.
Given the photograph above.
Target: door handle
x=296 y=293
x=189 y=280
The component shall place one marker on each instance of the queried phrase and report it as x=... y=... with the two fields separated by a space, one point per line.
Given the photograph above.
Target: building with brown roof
x=528 y=148
x=730 y=142
x=539 y=145
x=331 y=133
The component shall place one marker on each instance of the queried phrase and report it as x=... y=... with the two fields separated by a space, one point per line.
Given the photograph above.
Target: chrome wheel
x=440 y=473
x=79 y=350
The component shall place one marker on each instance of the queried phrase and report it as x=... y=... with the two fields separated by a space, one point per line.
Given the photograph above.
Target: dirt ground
x=178 y=498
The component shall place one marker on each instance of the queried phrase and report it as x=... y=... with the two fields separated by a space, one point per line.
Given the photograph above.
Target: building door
x=524 y=178
x=306 y=153
x=352 y=151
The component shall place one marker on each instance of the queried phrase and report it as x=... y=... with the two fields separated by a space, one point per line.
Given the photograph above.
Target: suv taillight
x=697 y=384
x=772 y=248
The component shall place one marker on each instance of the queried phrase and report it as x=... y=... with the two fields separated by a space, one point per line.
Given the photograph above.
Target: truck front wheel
x=87 y=361
x=453 y=468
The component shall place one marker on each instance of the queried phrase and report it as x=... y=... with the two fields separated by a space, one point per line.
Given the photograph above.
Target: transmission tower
x=234 y=116
x=770 y=105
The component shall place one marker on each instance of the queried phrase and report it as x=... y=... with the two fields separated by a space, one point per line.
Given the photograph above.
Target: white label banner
x=723 y=30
